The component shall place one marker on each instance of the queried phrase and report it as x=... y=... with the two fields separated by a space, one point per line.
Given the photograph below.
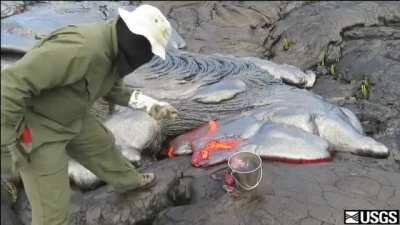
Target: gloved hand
x=157 y=109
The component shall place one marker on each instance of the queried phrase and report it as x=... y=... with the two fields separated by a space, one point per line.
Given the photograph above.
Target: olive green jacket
x=54 y=85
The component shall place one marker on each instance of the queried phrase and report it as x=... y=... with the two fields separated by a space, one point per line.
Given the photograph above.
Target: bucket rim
x=252 y=171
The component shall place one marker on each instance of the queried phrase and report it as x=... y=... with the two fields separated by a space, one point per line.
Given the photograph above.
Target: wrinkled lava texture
x=346 y=43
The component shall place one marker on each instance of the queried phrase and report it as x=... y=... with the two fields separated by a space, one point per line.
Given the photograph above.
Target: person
x=45 y=102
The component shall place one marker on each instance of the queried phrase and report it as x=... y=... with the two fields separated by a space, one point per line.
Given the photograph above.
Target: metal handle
x=245 y=187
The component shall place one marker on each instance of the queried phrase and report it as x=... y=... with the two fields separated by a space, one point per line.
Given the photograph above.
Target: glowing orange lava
x=170 y=152
x=212 y=126
x=216 y=145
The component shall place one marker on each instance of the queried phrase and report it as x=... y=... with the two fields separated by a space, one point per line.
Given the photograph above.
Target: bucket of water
x=246 y=169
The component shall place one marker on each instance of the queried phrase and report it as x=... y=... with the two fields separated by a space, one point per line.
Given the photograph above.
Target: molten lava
x=212 y=126
x=170 y=152
x=215 y=145
x=202 y=152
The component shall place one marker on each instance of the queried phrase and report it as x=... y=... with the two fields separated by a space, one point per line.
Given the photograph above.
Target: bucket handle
x=246 y=187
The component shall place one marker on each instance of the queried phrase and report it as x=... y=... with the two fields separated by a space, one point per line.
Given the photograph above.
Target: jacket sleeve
x=119 y=94
x=58 y=61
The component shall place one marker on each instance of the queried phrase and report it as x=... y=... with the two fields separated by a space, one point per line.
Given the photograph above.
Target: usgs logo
x=371 y=217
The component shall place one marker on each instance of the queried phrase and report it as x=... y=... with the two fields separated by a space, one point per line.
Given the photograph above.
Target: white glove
x=156 y=109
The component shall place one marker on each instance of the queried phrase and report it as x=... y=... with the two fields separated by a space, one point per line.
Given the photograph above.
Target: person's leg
x=95 y=149
x=46 y=184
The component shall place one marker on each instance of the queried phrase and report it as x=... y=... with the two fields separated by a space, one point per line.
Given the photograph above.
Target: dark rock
x=236 y=28
x=335 y=91
x=290 y=194
x=378 y=61
x=316 y=29
x=8 y=216
x=370 y=52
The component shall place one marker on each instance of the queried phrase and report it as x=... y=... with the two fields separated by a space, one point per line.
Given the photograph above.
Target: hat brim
x=139 y=27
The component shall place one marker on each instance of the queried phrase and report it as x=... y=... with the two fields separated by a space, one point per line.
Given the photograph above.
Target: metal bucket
x=246 y=169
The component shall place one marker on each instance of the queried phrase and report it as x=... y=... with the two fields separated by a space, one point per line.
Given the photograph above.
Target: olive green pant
x=46 y=179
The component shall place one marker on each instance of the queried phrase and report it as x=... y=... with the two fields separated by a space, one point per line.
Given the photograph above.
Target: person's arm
x=122 y=95
x=119 y=94
x=59 y=61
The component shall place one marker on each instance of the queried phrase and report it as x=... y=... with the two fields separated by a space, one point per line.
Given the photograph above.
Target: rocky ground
x=354 y=47
x=288 y=194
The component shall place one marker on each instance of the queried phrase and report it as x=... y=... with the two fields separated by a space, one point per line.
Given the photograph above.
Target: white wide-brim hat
x=149 y=21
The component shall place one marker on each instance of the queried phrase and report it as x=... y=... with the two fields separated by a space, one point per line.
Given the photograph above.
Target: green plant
x=285 y=44
x=322 y=57
x=333 y=69
x=310 y=2
x=365 y=89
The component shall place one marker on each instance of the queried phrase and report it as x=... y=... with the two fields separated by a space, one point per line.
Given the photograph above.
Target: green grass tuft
x=333 y=69
x=285 y=44
x=364 y=88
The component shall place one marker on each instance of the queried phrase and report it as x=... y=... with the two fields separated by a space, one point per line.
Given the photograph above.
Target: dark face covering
x=133 y=50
